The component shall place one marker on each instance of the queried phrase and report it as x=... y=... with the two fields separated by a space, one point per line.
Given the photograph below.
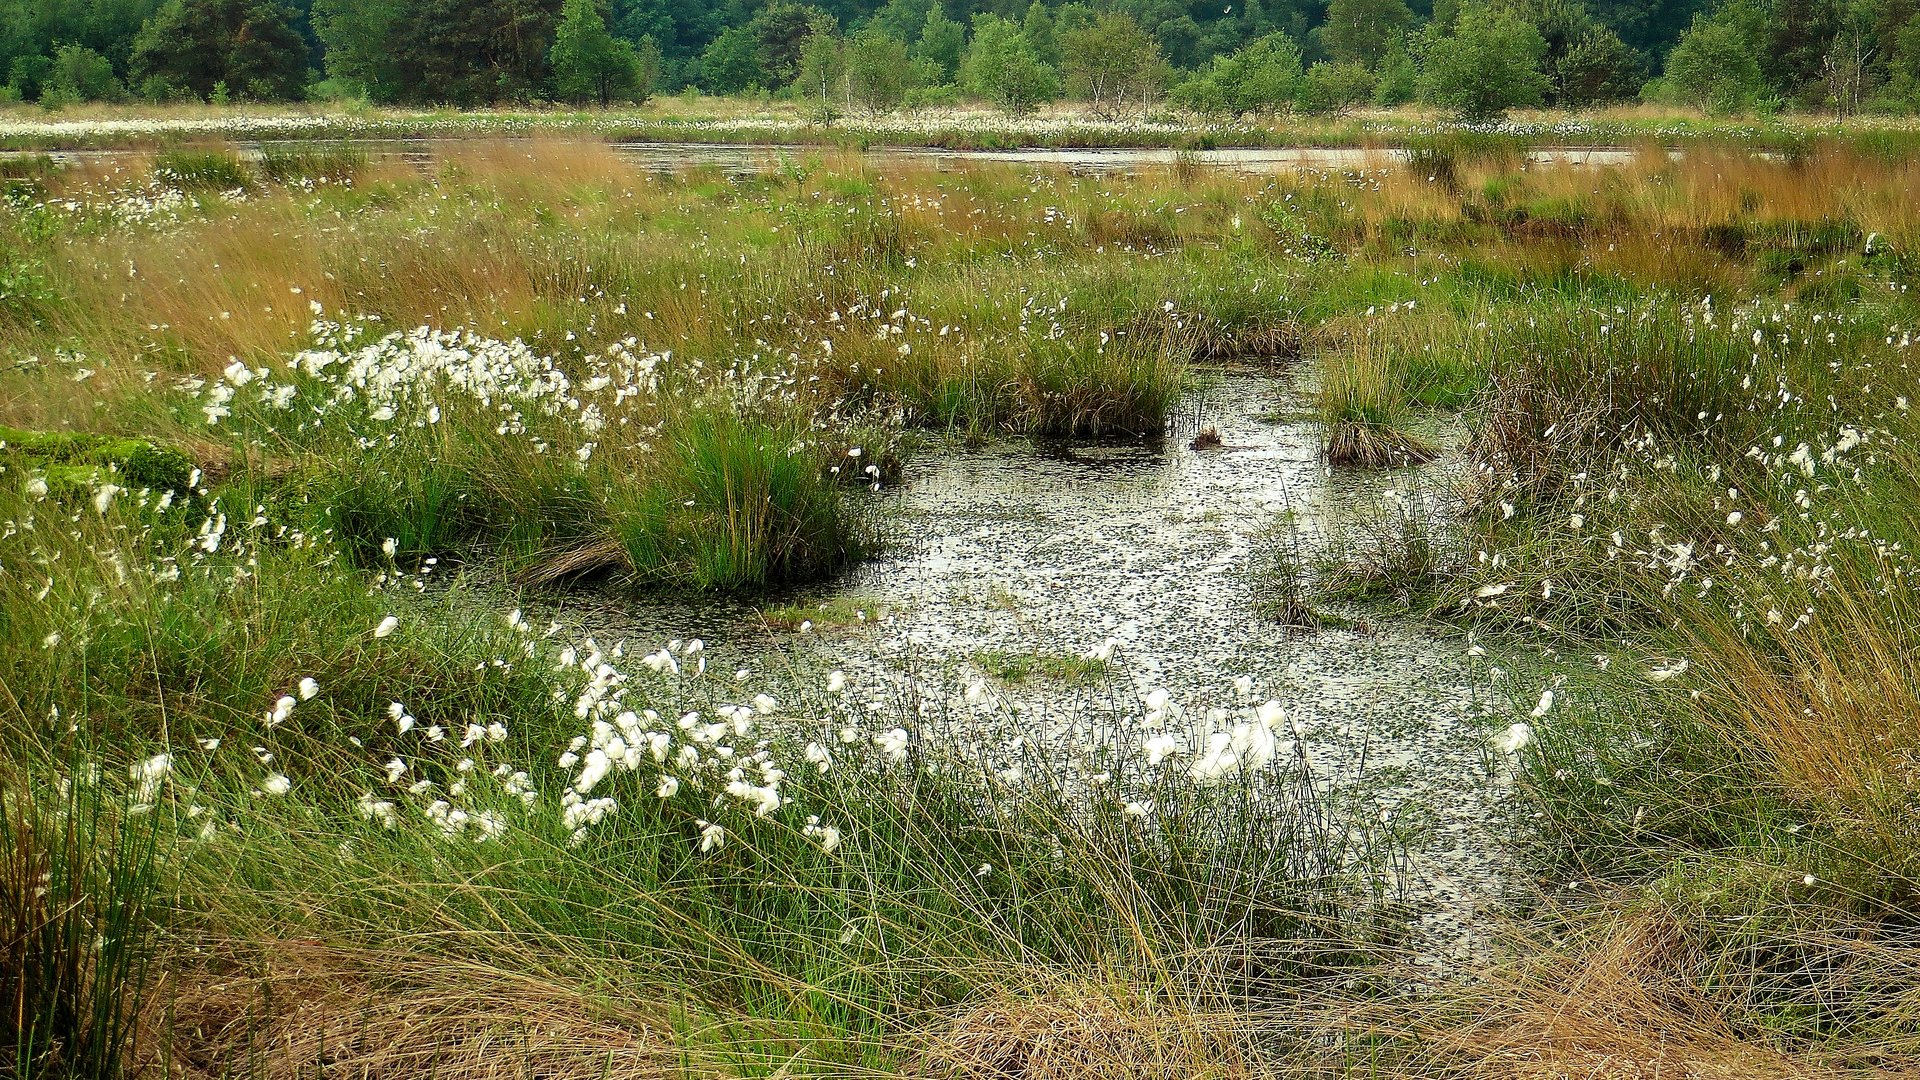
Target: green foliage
x=28 y=76
x=1113 y=66
x=732 y=63
x=251 y=46
x=1364 y=32
x=1332 y=89
x=1845 y=55
x=1262 y=77
x=461 y=52
x=1398 y=80
x=648 y=66
x=1597 y=69
x=358 y=40
x=942 y=43
x=780 y=32
x=879 y=72
x=1716 y=63
x=1003 y=67
x=1903 y=66
x=820 y=74
x=1038 y=26
x=1489 y=63
x=79 y=74
x=591 y=65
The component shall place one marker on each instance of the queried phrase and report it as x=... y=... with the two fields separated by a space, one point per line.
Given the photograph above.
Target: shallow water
x=1031 y=548
x=747 y=159
x=669 y=156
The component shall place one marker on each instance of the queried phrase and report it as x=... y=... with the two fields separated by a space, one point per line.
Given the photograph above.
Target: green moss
x=79 y=460
x=839 y=611
x=1017 y=667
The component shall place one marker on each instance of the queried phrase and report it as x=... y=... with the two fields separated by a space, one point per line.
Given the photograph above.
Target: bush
x=1113 y=65
x=79 y=74
x=1260 y=77
x=880 y=76
x=1716 y=64
x=1333 y=89
x=1489 y=63
x=1002 y=66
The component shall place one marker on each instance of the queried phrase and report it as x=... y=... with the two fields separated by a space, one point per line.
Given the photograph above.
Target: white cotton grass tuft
x=1513 y=740
x=1545 y=705
x=1667 y=671
x=147 y=776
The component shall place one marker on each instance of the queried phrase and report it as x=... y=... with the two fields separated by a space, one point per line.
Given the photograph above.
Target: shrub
x=1260 y=77
x=1332 y=89
x=1002 y=66
x=1489 y=63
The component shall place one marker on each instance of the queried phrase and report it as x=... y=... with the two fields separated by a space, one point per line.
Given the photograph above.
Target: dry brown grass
x=1370 y=446
x=1626 y=1000
x=1087 y=1032
x=294 y=1009
x=1834 y=713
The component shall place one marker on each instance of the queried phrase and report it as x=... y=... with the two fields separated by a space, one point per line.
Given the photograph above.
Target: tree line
x=1476 y=58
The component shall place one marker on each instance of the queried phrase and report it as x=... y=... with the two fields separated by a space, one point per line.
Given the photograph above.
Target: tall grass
x=79 y=890
x=733 y=502
x=1365 y=397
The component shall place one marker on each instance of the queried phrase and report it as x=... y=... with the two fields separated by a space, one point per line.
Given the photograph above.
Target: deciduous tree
x=1489 y=63
x=1113 y=65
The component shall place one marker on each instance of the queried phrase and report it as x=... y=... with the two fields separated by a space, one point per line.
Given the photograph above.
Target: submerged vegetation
x=293 y=448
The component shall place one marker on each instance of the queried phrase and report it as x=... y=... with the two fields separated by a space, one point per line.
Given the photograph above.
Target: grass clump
x=836 y=612
x=1012 y=667
x=313 y=164
x=79 y=893
x=732 y=503
x=1363 y=405
x=202 y=170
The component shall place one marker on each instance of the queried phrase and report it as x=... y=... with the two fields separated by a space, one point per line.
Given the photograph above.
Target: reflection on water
x=1058 y=549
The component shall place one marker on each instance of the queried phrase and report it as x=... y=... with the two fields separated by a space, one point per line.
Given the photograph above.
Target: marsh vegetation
x=313 y=763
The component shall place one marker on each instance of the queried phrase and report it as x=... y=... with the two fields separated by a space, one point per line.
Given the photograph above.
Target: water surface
x=1032 y=548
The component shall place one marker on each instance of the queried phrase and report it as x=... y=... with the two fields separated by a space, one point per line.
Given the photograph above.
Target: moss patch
x=1016 y=667
x=79 y=461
